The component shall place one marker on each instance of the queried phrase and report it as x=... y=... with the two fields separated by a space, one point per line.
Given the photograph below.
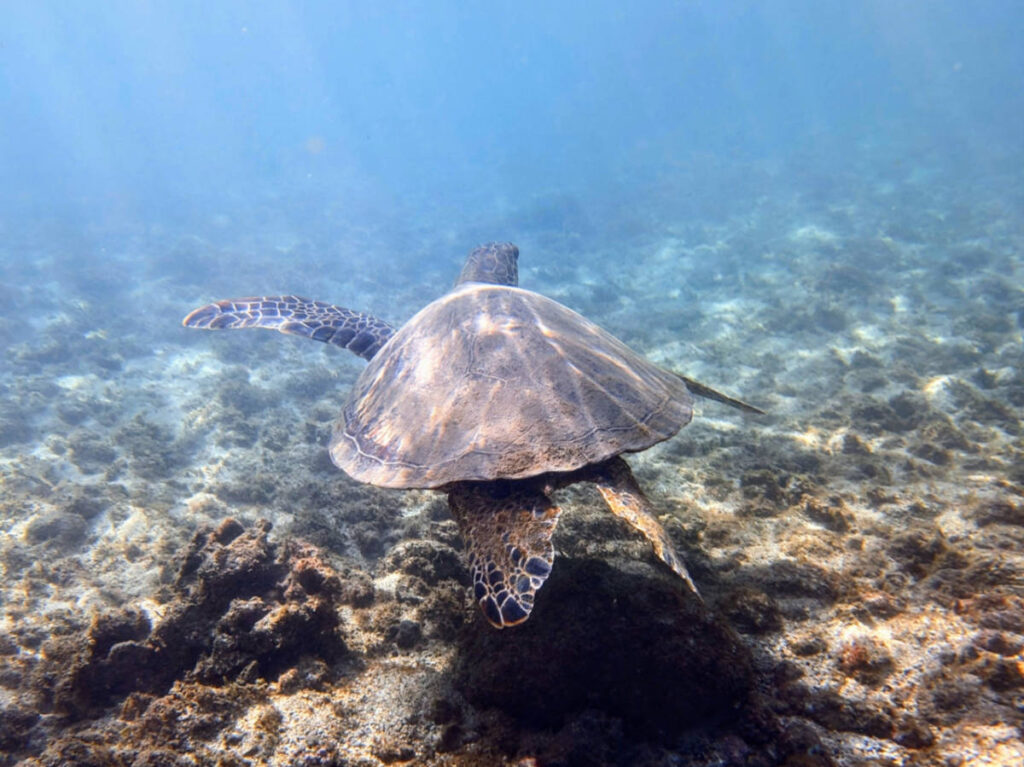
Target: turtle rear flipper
x=626 y=500
x=360 y=333
x=701 y=390
x=507 y=531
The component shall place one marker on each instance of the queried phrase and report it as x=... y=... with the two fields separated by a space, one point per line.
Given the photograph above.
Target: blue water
x=163 y=110
x=816 y=207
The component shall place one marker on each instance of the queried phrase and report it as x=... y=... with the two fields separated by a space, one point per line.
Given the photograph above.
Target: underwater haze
x=173 y=109
x=815 y=207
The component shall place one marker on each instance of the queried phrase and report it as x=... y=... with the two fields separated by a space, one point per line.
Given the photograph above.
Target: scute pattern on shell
x=495 y=382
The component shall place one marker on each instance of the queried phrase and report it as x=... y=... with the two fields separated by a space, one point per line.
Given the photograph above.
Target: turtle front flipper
x=507 y=529
x=626 y=500
x=360 y=333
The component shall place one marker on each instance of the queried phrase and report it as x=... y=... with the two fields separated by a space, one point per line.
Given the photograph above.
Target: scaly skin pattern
x=360 y=333
x=507 y=527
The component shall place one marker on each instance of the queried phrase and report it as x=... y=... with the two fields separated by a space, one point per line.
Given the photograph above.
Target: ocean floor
x=187 y=580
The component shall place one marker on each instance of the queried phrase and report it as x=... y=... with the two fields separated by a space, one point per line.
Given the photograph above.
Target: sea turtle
x=496 y=396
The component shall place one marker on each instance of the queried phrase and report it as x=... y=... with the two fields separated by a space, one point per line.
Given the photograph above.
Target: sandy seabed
x=187 y=580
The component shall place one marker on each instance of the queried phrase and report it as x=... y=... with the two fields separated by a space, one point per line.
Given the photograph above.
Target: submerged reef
x=187 y=580
x=265 y=651
x=271 y=652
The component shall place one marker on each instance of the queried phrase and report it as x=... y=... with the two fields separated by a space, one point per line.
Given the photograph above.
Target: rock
x=389 y=752
x=763 y=483
x=1002 y=674
x=942 y=432
x=356 y=589
x=751 y=611
x=109 y=661
x=789 y=578
x=1000 y=512
x=932 y=453
x=883 y=605
x=151 y=448
x=854 y=445
x=58 y=527
x=428 y=560
x=944 y=700
x=236 y=392
x=813 y=645
x=913 y=733
x=445 y=611
x=908 y=410
x=89 y=453
x=601 y=638
x=14 y=427
x=998 y=642
x=917 y=551
x=244 y=610
x=87 y=506
x=866 y=660
x=830 y=516
x=838 y=713
x=16 y=724
x=406 y=634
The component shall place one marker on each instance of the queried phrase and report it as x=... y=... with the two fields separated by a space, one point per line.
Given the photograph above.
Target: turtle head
x=494 y=262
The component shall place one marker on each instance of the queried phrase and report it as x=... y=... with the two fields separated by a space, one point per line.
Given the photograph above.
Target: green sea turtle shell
x=495 y=382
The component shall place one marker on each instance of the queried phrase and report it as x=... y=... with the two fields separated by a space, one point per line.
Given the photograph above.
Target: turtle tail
x=360 y=333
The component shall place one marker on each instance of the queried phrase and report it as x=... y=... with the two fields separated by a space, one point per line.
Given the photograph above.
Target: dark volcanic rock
x=916 y=551
x=865 y=660
x=830 y=516
x=1004 y=512
x=89 y=453
x=15 y=725
x=151 y=448
x=833 y=711
x=244 y=608
x=112 y=660
x=636 y=646
x=751 y=611
x=14 y=427
x=429 y=560
x=787 y=578
x=763 y=483
x=57 y=527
